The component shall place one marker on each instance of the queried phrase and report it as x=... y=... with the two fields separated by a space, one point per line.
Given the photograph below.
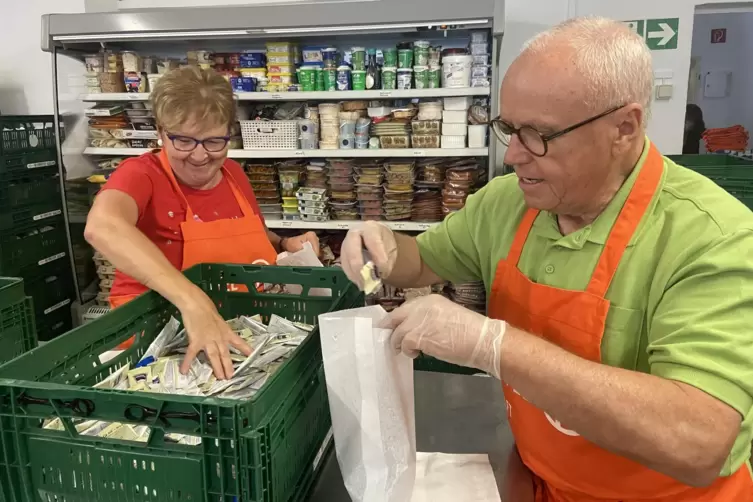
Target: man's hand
x=209 y=332
x=380 y=243
x=440 y=328
x=295 y=244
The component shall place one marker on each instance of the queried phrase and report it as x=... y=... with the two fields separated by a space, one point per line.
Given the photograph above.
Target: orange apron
x=570 y=468
x=241 y=240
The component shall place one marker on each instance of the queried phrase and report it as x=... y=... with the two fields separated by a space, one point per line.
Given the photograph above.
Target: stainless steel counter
x=454 y=414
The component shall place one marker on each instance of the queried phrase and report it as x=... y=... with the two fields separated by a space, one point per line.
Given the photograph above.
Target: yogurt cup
x=405 y=58
x=389 y=77
x=404 y=78
x=359 y=80
x=421 y=77
x=358 y=58
x=343 y=78
x=390 y=57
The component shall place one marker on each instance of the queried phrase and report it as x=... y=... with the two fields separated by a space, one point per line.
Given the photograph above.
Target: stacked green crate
x=17 y=334
x=734 y=174
x=33 y=242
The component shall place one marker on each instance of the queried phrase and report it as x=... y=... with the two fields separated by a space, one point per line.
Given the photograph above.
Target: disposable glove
x=380 y=243
x=437 y=327
x=295 y=244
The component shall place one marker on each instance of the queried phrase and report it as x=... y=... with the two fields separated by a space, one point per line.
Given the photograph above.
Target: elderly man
x=620 y=286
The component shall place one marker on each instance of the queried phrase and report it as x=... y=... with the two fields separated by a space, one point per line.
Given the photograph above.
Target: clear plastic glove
x=209 y=332
x=295 y=244
x=380 y=243
x=437 y=327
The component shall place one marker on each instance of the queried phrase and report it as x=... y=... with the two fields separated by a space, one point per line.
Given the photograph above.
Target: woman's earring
x=159 y=142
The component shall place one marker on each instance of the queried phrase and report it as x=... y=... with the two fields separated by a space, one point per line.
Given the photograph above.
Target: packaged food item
x=481 y=82
x=404 y=78
x=426 y=126
x=405 y=58
x=343 y=78
x=421 y=77
x=425 y=140
x=390 y=57
x=395 y=141
x=308 y=193
x=389 y=77
x=477 y=49
x=421 y=52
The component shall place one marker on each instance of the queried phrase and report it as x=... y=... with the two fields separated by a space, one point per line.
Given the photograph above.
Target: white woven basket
x=269 y=134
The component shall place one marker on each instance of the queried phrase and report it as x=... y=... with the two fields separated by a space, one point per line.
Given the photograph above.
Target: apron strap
x=516 y=249
x=624 y=228
x=239 y=197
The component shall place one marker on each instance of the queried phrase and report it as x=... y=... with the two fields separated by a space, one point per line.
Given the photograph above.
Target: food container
x=312 y=55
x=153 y=78
x=359 y=80
x=389 y=77
x=455 y=116
x=395 y=141
x=481 y=82
x=456 y=71
x=346 y=142
x=480 y=71
x=479 y=37
x=358 y=58
x=312 y=211
x=434 y=77
x=390 y=57
x=329 y=78
x=426 y=126
x=458 y=103
x=425 y=140
x=430 y=110
x=477 y=136
x=307 y=77
x=289 y=181
x=452 y=129
x=94 y=63
x=111 y=82
x=92 y=81
x=435 y=56
x=329 y=57
x=280 y=47
x=287 y=69
x=309 y=217
x=307 y=193
x=404 y=78
x=421 y=52
x=205 y=57
x=280 y=78
x=481 y=59
x=257 y=73
x=421 y=77
x=280 y=59
x=290 y=201
x=131 y=62
x=243 y=84
x=453 y=141
x=165 y=65
x=405 y=58
x=343 y=78
x=482 y=48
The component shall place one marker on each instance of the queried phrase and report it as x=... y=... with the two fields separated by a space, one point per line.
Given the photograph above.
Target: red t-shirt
x=161 y=209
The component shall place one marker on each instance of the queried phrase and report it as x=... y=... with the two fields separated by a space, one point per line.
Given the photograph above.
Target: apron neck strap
x=242 y=202
x=630 y=217
x=521 y=235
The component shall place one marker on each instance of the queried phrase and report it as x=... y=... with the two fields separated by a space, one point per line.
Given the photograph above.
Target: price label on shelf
x=300 y=153
x=419 y=153
x=342 y=226
x=423 y=226
x=275 y=95
x=286 y=224
x=385 y=94
x=398 y=226
x=132 y=96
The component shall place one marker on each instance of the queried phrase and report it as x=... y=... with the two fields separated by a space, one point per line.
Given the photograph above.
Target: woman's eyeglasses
x=534 y=141
x=189 y=144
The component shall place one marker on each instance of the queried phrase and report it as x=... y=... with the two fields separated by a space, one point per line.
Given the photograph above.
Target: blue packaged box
x=243 y=84
x=253 y=60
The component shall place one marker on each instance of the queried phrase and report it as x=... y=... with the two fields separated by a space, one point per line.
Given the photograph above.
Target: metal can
x=343 y=78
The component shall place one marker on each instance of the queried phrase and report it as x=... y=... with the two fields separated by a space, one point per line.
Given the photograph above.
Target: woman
x=694 y=127
x=163 y=212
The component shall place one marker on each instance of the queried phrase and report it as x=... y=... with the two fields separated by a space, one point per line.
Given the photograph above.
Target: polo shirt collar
x=598 y=231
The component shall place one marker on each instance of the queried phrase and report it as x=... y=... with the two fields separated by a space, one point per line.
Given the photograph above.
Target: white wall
x=26 y=71
x=734 y=56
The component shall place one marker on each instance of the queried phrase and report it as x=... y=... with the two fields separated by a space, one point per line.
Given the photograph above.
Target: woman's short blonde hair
x=191 y=94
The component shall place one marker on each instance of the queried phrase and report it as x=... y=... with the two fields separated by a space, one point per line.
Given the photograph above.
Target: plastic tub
x=389 y=77
x=455 y=117
x=452 y=129
x=280 y=47
x=421 y=75
x=456 y=71
x=458 y=103
x=404 y=78
x=479 y=37
x=477 y=136
x=453 y=141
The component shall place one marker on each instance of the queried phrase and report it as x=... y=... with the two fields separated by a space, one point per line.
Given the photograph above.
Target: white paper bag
x=371 y=401
x=303 y=258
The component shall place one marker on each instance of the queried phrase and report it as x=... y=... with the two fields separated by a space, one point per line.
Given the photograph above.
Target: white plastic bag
x=370 y=391
x=303 y=258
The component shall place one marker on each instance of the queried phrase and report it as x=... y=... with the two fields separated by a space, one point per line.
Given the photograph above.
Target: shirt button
x=169 y=242
x=170 y=214
x=549 y=269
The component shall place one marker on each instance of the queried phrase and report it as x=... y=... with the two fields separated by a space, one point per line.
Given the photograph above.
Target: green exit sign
x=659 y=34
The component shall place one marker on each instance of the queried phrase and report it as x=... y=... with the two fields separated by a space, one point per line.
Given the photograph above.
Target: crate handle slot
x=138 y=413
x=81 y=407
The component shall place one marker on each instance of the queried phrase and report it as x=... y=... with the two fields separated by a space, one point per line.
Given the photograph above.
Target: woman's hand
x=294 y=244
x=209 y=332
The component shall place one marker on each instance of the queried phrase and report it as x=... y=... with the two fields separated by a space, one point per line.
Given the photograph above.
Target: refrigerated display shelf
x=317 y=154
x=402 y=226
x=314 y=95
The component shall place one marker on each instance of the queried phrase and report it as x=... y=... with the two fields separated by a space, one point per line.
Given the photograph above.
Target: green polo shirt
x=681 y=300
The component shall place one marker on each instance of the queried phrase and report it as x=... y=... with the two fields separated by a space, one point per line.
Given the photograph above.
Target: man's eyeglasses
x=534 y=141
x=189 y=144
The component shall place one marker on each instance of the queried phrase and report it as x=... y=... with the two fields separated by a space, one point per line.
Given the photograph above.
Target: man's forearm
x=131 y=252
x=410 y=271
x=652 y=420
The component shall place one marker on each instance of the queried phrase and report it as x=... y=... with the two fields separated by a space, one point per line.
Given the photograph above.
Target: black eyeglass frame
x=197 y=142
x=545 y=138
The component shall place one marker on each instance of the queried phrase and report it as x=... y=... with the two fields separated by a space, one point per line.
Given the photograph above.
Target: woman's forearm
x=276 y=241
x=131 y=252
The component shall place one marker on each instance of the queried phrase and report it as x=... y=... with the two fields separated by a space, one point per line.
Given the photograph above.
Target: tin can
x=343 y=78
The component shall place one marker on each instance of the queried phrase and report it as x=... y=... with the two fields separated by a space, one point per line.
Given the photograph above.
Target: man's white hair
x=614 y=61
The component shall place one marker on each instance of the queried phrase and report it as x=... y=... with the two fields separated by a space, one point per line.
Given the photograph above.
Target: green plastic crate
x=28 y=188
x=734 y=174
x=33 y=248
x=17 y=334
x=26 y=133
x=264 y=449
